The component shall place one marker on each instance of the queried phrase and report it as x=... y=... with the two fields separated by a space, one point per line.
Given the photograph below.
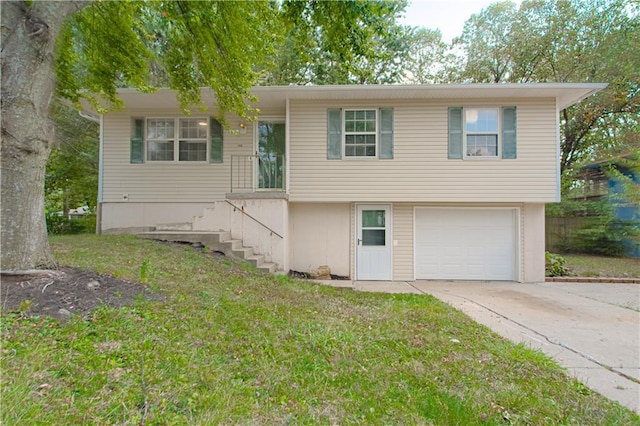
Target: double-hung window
x=193 y=139
x=185 y=139
x=482 y=132
x=161 y=134
x=360 y=132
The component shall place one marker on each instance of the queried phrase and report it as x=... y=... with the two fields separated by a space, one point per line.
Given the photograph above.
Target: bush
x=600 y=233
x=601 y=236
x=555 y=265
x=60 y=225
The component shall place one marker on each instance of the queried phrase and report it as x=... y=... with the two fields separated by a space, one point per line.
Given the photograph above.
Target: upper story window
x=481 y=132
x=360 y=133
x=487 y=132
x=187 y=139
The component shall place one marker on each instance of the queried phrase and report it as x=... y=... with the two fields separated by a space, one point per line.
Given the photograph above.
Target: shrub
x=60 y=225
x=601 y=235
x=600 y=231
x=555 y=265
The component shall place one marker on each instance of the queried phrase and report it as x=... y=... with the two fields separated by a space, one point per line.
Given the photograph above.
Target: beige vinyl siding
x=420 y=170
x=165 y=181
x=403 y=242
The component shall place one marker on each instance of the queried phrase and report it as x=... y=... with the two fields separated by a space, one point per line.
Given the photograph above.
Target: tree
x=429 y=60
x=71 y=178
x=28 y=40
x=95 y=47
x=340 y=42
x=103 y=46
x=486 y=42
x=568 y=41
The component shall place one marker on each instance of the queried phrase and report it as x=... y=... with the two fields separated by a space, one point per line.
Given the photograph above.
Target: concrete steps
x=219 y=241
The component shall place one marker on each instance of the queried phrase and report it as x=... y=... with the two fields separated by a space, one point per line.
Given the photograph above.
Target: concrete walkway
x=593 y=330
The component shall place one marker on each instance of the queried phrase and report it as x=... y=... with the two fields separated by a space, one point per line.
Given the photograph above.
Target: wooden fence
x=559 y=230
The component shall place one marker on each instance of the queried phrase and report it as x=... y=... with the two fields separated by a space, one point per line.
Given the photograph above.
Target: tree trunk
x=28 y=81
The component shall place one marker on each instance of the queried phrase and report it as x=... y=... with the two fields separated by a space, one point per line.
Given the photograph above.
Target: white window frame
x=498 y=133
x=176 y=140
x=375 y=133
x=204 y=140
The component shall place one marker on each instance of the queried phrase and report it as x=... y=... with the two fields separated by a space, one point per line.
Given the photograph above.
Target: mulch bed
x=67 y=291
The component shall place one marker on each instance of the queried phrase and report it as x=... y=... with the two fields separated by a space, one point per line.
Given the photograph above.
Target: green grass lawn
x=598 y=266
x=230 y=345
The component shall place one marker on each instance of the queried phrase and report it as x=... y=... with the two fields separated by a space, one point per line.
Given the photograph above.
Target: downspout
x=287 y=155
x=558 y=173
x=287 y=149
x=100 y=177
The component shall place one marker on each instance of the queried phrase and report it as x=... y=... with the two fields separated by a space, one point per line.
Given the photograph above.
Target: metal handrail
x=253 y=218
x=249 y=172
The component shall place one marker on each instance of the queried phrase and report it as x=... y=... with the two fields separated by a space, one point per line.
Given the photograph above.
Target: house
x=397 y=182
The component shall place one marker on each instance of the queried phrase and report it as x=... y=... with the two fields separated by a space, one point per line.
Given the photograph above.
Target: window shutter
x=509 y=143
x=334 y=134
x=216 y=151
x=455 y=132
x=136 y=151
x=386 y=133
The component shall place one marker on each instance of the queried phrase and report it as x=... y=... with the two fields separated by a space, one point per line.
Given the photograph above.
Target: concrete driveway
x=593 y=330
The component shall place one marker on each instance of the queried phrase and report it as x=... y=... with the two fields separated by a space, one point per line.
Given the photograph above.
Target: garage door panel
x=472 y=244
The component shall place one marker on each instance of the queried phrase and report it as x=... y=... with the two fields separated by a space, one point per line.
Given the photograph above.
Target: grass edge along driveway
x=230 y=345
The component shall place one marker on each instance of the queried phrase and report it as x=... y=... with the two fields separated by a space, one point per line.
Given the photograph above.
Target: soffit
x=276 y=96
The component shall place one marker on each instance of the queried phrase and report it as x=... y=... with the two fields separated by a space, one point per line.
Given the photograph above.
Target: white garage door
x=465 y=244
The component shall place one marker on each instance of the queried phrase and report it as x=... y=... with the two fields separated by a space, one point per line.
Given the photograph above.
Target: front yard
x=229 y=345
x=599 y=266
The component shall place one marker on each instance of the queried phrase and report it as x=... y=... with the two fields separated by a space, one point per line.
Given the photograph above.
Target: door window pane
x=373 y=219
x=373 y=237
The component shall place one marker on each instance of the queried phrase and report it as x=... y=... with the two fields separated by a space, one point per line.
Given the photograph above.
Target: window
x=360 y=133
x=187 y=139
x=482 y=133
x=193 y=139
x=160 y=139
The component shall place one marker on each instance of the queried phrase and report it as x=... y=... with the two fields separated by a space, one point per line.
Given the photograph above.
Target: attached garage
x=466 y=243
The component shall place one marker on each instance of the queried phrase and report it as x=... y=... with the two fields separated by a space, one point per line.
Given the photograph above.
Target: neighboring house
x=598 y=183
x=75 y=213
x=395 y=182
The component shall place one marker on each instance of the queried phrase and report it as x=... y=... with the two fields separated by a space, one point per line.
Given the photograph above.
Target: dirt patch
x=67 y=291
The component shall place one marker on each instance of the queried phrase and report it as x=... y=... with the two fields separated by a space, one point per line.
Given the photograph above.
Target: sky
x=447 y=15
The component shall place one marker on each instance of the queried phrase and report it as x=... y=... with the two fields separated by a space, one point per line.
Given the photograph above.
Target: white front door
x=373 y=242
